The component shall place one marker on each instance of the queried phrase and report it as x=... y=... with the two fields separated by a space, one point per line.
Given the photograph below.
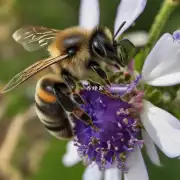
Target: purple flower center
x=119 y=128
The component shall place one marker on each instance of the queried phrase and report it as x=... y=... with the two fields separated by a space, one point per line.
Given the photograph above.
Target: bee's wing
x=30 y=71
x=33 y=38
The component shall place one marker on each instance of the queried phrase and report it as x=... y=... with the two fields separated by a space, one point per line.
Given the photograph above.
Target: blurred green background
x=27 y=151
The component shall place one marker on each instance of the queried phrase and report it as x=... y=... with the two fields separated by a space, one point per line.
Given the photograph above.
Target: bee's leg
x=65 y=101
x=71 y=83
x=100 y=88
x=96 y=67
x=102 y=74
x=61 y=92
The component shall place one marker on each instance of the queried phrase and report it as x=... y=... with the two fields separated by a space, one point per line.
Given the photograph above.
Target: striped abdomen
x=49 y=111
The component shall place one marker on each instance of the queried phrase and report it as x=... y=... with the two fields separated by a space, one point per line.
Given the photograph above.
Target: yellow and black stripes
x=45 y=96
x=49 y=111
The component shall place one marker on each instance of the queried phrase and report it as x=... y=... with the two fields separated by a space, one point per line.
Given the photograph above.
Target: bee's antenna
x=120 y=27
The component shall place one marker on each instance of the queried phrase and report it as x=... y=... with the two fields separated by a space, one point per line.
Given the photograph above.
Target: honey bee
x=75 y=54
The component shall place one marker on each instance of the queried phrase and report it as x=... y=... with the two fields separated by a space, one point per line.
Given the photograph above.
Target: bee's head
x=102 y=46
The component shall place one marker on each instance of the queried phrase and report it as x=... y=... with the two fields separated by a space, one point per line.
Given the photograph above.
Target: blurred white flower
x=138 y=38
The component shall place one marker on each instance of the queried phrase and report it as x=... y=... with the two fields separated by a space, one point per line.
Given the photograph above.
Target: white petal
x=136 y=167
x=162 y=66
x=92 y=172
x=128 y=11
x=71 y=157
x=89 y=13
x=138 y=38
x=113 y=174
x=160 y=126
x=150 y=149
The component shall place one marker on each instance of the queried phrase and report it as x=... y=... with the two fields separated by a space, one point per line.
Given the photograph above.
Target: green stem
x=161 y=18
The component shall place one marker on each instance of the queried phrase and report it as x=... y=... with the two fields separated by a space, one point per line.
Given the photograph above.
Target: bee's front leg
x=93 y=65
x=101 y=73
x=66 y=102
x=71 y=83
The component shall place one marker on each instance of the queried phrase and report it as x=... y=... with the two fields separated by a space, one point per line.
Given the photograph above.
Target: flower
x=122 y=118
x=127 y=11
x=160 y=127
x=118 y=131
x=118 y=119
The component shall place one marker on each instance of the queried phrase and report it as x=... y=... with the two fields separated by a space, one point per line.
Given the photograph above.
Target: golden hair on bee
x=76 y=39
x=60 y=44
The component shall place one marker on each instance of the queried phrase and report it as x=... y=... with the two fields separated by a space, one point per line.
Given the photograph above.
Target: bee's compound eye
x=71 y=51
x=98 y=49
